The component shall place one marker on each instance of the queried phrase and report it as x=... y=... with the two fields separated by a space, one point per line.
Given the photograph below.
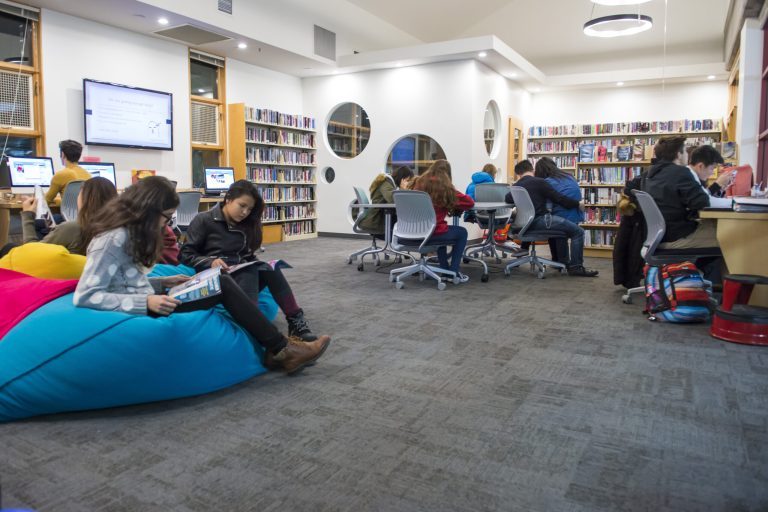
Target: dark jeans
x=244 y=311
x=252 y=280
x=7 y=248
x=571 y=230
x=457 y=237
x=41 y=228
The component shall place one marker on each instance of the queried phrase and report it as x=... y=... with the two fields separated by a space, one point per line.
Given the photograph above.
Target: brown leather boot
x=297 y=354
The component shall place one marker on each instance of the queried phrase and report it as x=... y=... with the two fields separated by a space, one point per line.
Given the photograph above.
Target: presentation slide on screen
x=28 y=172
x=127 y=117
x=219 y=179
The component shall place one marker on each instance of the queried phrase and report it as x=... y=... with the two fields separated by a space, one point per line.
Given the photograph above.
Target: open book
x=43 y=211
x=202 y=285
x=264 y=265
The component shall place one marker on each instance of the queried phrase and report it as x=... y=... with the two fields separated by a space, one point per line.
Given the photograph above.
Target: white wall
x=263 y=88
x=74 y=49
x=445 y=101
x=649 y=103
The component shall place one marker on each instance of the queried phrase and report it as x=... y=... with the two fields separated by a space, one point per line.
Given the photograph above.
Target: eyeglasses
x=168 y=218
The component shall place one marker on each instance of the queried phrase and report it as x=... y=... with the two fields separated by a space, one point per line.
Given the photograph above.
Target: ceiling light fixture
x=482 y=55
x=619 y=84
x=620 y=2
x=162 y=21
x=617 y=25
x=242 y=46
x=711 y=77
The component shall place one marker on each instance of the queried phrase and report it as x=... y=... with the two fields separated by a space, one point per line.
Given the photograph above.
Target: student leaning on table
x=70 y=152
x=381 y=190
x=126 y=241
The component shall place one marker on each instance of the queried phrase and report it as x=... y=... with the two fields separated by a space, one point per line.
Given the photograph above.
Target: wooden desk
x=6 y=208
x=743 y=238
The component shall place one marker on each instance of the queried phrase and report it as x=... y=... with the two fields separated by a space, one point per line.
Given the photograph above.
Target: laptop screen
x=100 y=170
x=30 y=171
x=218 y=179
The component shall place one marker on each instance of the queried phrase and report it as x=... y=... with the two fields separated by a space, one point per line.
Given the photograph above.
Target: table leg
x=5 y=225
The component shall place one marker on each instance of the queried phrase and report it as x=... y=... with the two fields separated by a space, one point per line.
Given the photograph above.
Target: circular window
x=491 y=129
x=416 y=151
x=348 y=130
x=328 y=175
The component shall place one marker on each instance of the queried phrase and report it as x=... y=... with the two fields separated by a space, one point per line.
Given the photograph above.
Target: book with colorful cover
x=139 y=174
x=200 y=286
x=602 y=153
x=623 y=153
x=587 y=153
x=638 y=151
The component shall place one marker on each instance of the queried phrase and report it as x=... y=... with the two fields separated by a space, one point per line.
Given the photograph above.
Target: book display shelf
x=277 y=152
x=603 y=157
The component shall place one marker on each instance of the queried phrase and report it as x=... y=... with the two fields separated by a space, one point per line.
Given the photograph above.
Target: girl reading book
x=229 y=234
x=126 y=241
x=436 y=181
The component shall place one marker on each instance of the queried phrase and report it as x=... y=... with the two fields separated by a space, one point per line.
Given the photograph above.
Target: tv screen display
x=100 y=170
x=218 y=179
x=404 y=150
x=30 y=171
x=119 y=115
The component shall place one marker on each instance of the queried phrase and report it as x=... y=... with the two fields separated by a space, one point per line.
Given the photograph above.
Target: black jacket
x=679 y=196
x=209 y=237
x=540 y=191
x=627 y=258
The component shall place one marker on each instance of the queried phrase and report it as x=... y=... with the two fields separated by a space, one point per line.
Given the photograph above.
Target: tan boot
x=297 y=354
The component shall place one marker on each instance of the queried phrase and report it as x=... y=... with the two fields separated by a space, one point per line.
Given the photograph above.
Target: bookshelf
x=276 y=151
x=601 y=182
x=347 y=140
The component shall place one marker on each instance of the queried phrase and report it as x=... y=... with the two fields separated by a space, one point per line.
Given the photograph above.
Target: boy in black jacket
x=540 y=191
x=679 y=195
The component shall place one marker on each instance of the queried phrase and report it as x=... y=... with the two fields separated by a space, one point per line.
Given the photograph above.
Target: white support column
x=750 y=71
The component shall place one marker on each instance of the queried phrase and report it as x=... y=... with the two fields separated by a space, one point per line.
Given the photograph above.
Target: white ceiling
x=541 y=41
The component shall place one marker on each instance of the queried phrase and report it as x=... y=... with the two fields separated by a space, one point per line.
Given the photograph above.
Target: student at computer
x=679 y=194
x=126 y=240
x=540 y=192
x=70 y=151
x=230 y=233
x=436 y=181
x=94 y=194
x=702 y=161
x=381 y=190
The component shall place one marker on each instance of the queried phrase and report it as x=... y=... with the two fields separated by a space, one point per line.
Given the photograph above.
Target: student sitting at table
x=94 y=194
x=381 y=191
x=231 y=233
x=564 y=183
x=70 y=152
x=540 y=192
x=487 y=175
x=125 y=242
x=436 y=182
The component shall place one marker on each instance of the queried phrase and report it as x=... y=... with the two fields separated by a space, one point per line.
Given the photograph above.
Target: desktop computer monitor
x=218 y=180
x=100 y=170
x=26 y=172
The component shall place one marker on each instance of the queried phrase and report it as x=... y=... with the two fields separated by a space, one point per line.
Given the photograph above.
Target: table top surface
x=727 y=214
x=478 y=206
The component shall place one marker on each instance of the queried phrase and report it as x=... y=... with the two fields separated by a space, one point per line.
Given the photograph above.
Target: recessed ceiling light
x=162 y=21
x=620 y=2
x=242 y=46
x=512 y=75
x=711 y=77
x=619 y=84
x=398 y=64
x=617 y=25
x=482 y=55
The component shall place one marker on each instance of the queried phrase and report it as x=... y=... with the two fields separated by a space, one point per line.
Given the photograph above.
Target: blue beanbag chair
x=63 y=358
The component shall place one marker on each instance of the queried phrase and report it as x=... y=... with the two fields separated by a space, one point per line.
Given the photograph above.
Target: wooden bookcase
x=277 y=152
x=561 y=143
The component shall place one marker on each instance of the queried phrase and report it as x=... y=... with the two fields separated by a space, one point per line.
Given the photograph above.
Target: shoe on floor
x=581 y=271
x=298 y=327
x=297 y=354
x=463 y=278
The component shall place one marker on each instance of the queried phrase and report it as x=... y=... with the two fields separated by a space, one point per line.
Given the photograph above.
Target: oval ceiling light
x=620 y=2
x=482 y=55
x=618 y=25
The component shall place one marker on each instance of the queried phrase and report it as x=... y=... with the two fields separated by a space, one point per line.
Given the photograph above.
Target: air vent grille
x=225 y=6
x=16 y=100
x=191 y=34
x=205 y=125
x=325 y=43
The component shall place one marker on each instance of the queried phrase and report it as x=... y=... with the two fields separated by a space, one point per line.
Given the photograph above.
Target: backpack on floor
x=677 y=293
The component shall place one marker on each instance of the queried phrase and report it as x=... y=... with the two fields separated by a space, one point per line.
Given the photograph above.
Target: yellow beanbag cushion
x=46 y=261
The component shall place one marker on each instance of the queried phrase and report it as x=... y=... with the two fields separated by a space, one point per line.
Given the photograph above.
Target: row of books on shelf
x=288 y=212
x=643 y=150
x=264 y=115
x=273 y=136
x=279 y=175
x=286 y=193
x=600 y=195
x=601 y=215
x=562 y=161
x=303 y=227
x=255 y=155
x=340 y=146
x=599 y=237
x=606 y=175
x=578 y=130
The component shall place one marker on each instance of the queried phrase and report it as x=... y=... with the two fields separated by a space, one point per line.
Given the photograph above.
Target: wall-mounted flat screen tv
x=129 y=117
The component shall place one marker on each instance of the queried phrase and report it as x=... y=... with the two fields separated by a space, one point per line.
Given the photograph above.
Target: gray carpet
x=514 y=395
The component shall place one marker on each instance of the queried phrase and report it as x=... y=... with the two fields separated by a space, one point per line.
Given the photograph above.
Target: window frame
x=220 y=103
x=762 y=140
